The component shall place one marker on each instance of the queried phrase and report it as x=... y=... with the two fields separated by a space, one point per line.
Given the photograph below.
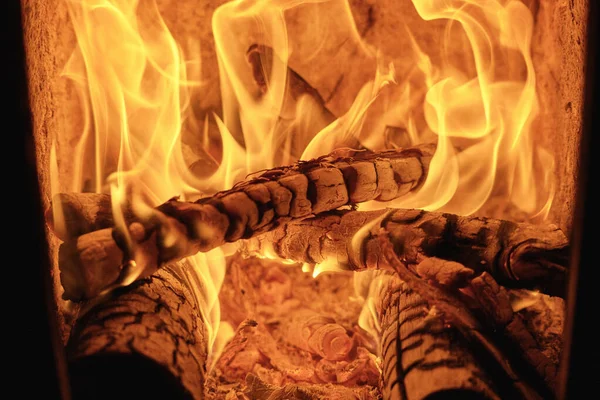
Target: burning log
x=494 y=301
x=502 y=344
x=424 y=355
x=83 y=213
x=515 y=254
x=94 y=261
x=150 y=332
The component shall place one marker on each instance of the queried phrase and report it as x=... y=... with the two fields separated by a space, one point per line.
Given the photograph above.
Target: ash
x=295 y=336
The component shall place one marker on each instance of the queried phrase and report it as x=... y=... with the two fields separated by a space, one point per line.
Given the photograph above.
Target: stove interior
x=430 y=266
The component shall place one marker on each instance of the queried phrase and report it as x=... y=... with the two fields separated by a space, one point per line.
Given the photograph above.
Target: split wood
x=97 y=256
x=515 y=254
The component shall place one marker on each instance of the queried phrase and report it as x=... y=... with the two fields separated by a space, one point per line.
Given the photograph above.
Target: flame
x=328 y=265
x=482 y=119
x=137 y=84
x=369 y=286
x=523 y=299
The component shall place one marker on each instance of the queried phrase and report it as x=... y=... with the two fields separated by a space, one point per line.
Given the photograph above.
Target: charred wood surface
x=83 y=213
x=480 y=311
x=515 y=254
x=93 y=261
x=146 y=341
x=423 y=355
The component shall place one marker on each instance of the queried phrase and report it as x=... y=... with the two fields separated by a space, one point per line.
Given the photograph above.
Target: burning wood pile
x=449 y=309
x=336 y=236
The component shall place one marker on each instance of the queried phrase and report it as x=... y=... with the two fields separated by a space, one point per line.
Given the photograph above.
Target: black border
x=36 y=360
x=578 y=374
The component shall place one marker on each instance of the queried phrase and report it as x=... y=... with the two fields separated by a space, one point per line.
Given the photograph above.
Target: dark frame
x=40 y=358
x=39 y=365
x=577 y=374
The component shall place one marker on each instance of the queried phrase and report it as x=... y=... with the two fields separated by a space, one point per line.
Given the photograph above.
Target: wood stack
x=447 y=326
x=94 y=261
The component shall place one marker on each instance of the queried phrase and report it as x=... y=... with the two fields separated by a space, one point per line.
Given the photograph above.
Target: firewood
x=515 y=254
x=259 y=390
x=423 y=353
x=146 y=340
x=494 y=300
x=544 y=317
x=179 y=229
x=83 y=213
x=513 y=373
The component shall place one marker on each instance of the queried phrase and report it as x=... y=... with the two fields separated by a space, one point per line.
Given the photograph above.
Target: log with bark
x=93 y=262
x=480 y=312
x=147 y=340
x=423 y=354
x=515 y=254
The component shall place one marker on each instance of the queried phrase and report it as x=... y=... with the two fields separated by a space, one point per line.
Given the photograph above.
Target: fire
x=137 y=86
x=135 y=83
x=489 y=115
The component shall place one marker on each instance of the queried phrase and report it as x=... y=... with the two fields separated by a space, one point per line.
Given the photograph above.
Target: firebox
x=331 y=199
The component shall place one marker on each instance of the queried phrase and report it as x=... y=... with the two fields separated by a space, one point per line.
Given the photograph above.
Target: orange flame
x=136 y=84
x=483 y=120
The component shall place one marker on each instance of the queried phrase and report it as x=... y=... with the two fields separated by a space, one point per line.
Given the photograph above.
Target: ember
x=306 y=337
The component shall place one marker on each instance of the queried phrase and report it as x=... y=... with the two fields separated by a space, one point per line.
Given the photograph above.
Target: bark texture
x=147 y=339
x=515 y=254
x=92 y=262
x=481 y=312
x=423 y=355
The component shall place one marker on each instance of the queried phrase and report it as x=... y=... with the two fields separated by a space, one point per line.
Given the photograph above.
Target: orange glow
x=481 y=120
x=136 y=86
x=135 y=82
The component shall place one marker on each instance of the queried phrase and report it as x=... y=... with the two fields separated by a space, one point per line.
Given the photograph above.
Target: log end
x=540 y=265
x=89 y=265
x=144 y=341
x=82 y=213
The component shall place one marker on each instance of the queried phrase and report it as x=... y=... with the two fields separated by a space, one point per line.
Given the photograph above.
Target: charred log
x=94 y=261
x=424 y=356
x=501 y=343
x=145 y=341
x=515 y=254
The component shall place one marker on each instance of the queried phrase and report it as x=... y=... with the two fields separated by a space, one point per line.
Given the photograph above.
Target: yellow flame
x=525 y=299
x=136 y=83
x=482 y=119
x=135 y=86
x=369 y=285
x=329 y=265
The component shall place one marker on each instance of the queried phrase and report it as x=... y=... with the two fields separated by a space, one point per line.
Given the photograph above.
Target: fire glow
x=137 y=87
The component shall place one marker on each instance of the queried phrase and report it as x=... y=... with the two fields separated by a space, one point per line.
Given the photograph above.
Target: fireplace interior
x=333 y=199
